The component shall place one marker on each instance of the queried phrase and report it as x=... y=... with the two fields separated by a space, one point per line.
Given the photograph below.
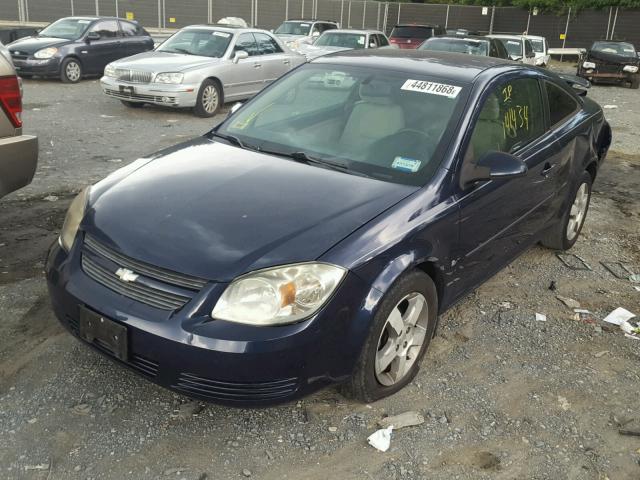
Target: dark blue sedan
x=315 y=235
x=73 y=47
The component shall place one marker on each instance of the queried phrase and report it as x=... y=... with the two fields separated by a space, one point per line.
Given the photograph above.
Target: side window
x=382 y=41
x=130 y=30
x=511 y=117
x=373 y=41
x=106 y=29
x=561 y=104
x=329 y=26
x=502 y=50
x=247 y=42
x=528 y=48
x=493 y=52
x=266 y=44
x=317 y=29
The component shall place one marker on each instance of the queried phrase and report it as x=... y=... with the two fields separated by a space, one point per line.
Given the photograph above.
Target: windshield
x=294 y=28
x=458 y=45
x=385 y=124
x=412 y=32
x=538 y=45
x=616 y=48
x=206 y=43
x=346 y=40
x=68 y=28
x=514 y=47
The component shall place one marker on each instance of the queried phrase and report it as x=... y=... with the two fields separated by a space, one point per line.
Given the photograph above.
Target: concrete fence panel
x=510 y=20
x=178 y=13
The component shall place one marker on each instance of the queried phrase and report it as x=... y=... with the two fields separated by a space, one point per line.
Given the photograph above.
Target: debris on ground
x=610 y=107
x=541 y=317
x=573 y=261
x=618 y=269
x=635 y=278
x=619 y=316
x=81 y=409
x=631 y=433
x=51 y=198
x=406 y=419
x=487 y=461
x=40 y=466
x=569 y=302
x=601 y=354
x=381 y=439
x=552 y=286
x=564 y=403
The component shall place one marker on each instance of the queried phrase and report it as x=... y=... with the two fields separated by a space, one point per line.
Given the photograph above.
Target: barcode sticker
x=450 y=91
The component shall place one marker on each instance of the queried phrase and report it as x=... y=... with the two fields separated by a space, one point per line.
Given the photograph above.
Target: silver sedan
x=201 y=67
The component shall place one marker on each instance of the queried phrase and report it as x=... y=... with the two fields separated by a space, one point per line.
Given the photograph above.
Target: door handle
x=286 y=62
x=547 y=169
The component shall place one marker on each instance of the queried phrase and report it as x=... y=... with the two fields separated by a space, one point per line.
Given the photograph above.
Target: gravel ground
x=503 y=396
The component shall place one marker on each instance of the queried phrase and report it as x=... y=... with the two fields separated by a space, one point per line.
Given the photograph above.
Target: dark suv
x=73 y=47
x=411 y=36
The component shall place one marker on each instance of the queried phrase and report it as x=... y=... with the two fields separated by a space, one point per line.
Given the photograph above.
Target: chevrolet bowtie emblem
x=126 y=275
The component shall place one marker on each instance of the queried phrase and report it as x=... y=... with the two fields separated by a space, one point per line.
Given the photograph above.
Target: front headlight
x=45 y=53
x=277 y=296
x=169 y=78
x=110 y=71
x=630 y=68
x=589 y=65
x=73 y=219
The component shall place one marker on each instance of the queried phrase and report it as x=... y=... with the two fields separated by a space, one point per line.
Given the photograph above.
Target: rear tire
x=209 y=99
x=132 y=104
x=394 y=335
x=70 y=71
x=564 y=234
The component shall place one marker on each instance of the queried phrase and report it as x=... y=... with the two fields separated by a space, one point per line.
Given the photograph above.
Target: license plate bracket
x=94 y=328
x=127 y=90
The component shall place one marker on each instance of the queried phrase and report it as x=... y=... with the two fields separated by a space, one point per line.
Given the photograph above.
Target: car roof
x=352 y=30
x=309 y=21
x=463 y=37
x=535 y=37
x=423 y=25
x=226 y=28
x=504 y=35
x=454 y=66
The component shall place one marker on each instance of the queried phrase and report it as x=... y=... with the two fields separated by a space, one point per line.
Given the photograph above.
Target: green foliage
x=542 y=5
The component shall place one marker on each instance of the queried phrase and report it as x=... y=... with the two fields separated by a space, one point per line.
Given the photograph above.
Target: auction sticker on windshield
x=221 y=34
x=450 y=91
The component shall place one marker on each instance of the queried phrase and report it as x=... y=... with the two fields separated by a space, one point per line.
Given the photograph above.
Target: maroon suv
x=411 y=36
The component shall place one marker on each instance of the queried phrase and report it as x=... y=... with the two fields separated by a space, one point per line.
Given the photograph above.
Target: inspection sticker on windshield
x=405 y=164
x=221 y=34
x=433 y=88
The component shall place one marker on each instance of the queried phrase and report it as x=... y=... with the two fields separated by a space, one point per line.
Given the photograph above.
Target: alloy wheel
x=401 y=339
x=210 y=99
x=73 y=71
x=578 y=211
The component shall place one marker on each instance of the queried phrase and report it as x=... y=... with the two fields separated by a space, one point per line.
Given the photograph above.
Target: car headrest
x=376 y=91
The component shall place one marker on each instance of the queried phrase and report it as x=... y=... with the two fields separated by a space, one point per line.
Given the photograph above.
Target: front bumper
x=31 y=66
x=219 y=361
x=157 y=94
x=18 y=162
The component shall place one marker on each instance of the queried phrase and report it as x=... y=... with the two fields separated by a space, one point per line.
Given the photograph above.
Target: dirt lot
x=503 y=396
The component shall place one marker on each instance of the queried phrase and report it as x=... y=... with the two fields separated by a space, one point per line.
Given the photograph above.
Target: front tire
x=400 y=334
x=71 y=71
x=565 y=233
x=209 y=99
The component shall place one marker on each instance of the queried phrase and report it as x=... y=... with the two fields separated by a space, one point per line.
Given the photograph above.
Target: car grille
x=141 y=364
x=133 y=76
x=139 y=96
x=19 y=56
x=230 y=391
x=155 y=286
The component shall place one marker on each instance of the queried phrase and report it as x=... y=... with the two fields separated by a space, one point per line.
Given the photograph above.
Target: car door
x=500 y=218
x=247 y=77
x=275 y=62
x=99 y=52
x=134 y=39
x=529 y=54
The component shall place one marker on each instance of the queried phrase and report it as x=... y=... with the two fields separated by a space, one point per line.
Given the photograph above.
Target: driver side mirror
x=93 y=36
x=240 y=55
x=495 y=166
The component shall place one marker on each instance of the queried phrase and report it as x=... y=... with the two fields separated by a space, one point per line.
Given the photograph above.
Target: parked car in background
x=73 y=47
x=411 y=35
x=18 y=152
x=472 y=45
x=519 y=47
x=200 y=67
x=610 y=62
x=339 y=40
x=296 y=33
x=314 y=236
x=540 y=48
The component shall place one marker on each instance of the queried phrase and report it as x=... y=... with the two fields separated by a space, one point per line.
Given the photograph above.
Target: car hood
x=290 y=38
x=167 y=62
x=611 y=58
x=324 y=50
x=215 y=211
x=31 y=45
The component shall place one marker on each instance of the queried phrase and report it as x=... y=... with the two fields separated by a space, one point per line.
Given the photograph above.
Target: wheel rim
x=401 y=339
x=210 y=99
x=73 y=71
x=578 y=212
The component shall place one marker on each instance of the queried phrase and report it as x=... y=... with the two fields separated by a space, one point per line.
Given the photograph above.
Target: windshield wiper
x=304 y=157
x=178 y=50
x=234 y=140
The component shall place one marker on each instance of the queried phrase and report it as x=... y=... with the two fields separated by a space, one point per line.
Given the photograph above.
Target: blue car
x=315 y=235
x=74 y=47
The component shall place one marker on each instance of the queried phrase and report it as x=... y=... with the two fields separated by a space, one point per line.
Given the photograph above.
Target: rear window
x=615 y=48
x=457 y=45
x=412 y=32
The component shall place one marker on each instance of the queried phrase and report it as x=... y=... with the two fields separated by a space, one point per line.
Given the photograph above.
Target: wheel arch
x=217 y=80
